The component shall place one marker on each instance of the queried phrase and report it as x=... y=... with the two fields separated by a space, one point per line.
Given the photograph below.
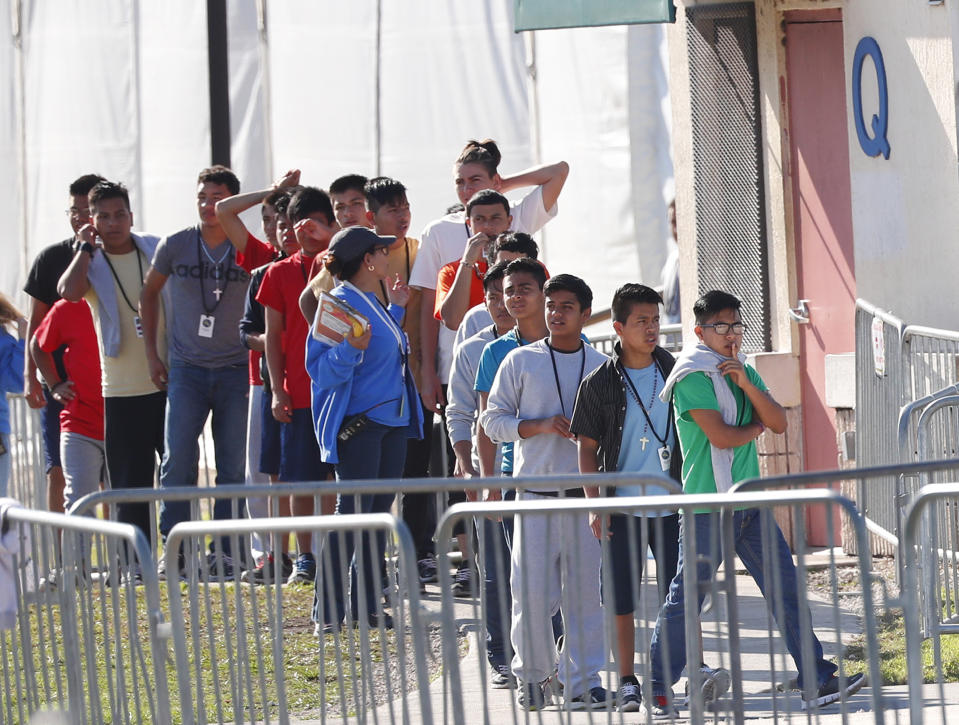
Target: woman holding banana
x=365 y=407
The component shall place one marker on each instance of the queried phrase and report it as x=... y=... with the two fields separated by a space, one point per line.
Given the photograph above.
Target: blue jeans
x=377 y=451
x=748 y=526
x=193 y=393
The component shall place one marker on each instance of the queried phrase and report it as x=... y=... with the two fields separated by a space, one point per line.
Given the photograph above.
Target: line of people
x=465 y=323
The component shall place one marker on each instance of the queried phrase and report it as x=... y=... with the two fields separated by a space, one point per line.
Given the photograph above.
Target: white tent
x=121 y=88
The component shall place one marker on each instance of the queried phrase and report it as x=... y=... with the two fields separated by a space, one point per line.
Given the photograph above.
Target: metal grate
x=727 y=161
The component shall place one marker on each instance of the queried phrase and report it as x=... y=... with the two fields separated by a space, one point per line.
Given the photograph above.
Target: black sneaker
x=596 y=699
x=501 y=677
x=375 y=621
x=829 y=692
x=266 y=568
x=304 y=570
x=463 y=582
x=426 y=568
x=630 y=697
x=219 y=566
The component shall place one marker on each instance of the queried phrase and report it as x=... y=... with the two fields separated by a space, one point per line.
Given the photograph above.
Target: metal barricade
x=85 y=636
x=879 y=397
x=922 y=624
x=732 y=635
x=28 y=475
x=247 y=654
x=931 y=356
x=670 y=338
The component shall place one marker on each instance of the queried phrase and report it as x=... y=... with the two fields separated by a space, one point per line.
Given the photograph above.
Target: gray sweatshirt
x=462 y=398
x=525 y=388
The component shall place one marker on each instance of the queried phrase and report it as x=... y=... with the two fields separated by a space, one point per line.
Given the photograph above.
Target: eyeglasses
x=724 y=328
x=79 y=213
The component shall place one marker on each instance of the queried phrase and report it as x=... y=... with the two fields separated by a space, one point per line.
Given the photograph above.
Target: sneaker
x=322 y=629
x=463 y=582
x=304 y=570
x=162 y=572
x=501 y=677
x=596 y=699
x=829 y=692
x=265 y=569
x=716 y=683
x=662 y=708
x=426 y=567
x=532 y=696
x=376 y=620
x=219 y=566
x=629 y=697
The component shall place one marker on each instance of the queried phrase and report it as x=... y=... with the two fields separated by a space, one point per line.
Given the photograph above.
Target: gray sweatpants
x=555 y=565
x=84 y=466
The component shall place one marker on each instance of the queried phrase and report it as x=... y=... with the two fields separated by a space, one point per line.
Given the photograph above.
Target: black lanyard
x=120 y=284
x=226 y=277
x=582 y=368
x=635 y=393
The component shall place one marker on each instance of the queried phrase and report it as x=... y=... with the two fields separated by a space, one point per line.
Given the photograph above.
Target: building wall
x=905 y=210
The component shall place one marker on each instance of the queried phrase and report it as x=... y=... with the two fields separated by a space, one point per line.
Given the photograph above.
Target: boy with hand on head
x=622 y=425
x=554 y=558
x=311 y=213
x=722 y=406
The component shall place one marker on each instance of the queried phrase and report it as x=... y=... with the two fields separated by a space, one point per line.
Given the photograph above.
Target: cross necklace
x=648 y=425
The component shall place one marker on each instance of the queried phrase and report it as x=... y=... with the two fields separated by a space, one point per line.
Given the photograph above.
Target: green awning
x=546 y=14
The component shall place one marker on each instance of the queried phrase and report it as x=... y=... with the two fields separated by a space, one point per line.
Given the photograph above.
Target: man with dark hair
x=633 y=432
x=207 y=366
x=349 y=201
x=721 y=407
x=41 y=288
x=459 y=284
x=461 y=423
x=554 y=558
x=108 y=271
x=311 y=213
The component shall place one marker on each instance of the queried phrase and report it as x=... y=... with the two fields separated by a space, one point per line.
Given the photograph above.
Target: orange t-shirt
x=444 y=282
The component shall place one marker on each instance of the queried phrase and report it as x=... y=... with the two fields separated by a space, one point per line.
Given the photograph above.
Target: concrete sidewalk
x=484 y=705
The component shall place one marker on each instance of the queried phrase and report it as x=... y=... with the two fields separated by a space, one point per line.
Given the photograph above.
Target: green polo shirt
x=695 y=392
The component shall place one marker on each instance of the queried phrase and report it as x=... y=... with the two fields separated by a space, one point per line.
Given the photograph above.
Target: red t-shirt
x=71 y=324
x=444 y=282
x=256 y=254
x=280 y=290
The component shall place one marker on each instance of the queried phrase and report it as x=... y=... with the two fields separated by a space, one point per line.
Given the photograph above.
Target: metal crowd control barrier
x=939 y=582
x=734 y=639
x=243 y=653
x=670 y=338
x=930 y=358
x=878 y=400
x=28 y=475
x=84 y=638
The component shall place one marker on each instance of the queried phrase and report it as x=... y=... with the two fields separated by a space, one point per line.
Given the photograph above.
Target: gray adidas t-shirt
x=194 y=274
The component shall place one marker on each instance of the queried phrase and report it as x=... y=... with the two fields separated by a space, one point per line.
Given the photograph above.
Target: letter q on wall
x=878 y=142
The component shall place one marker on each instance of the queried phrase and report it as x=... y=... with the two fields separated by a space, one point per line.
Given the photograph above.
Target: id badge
x=138 y=325
x=206 y=326
x=665 y=458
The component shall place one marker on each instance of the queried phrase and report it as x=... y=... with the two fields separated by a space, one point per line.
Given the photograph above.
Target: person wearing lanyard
x=364 y=411
x=621 y=424
x=110 y=276
x=311 y=213
x=207 y=370
x=555 y=560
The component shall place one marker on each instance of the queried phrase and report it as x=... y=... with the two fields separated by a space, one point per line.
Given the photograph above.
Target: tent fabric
x=122 y=88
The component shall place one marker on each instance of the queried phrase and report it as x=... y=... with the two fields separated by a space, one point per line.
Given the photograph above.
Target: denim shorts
x=269 y=439
x=299 y=452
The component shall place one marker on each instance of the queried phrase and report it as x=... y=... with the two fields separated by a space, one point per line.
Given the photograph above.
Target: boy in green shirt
x=721 y=407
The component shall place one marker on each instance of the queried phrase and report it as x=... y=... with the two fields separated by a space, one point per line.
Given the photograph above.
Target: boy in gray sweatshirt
x=530 y=402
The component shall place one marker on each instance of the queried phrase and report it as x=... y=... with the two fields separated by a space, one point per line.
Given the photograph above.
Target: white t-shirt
x=444 y=240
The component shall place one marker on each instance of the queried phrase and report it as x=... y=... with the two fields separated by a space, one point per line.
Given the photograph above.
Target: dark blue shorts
x=269 y=439
x=299 y=452
x=50 y=420
x=627 y=555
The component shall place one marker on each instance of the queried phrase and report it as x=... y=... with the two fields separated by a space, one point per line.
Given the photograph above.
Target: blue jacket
x=347 y=381
x=11 y=374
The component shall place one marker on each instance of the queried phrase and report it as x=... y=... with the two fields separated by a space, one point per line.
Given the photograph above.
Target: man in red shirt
x=70 y=325
x=311 y=212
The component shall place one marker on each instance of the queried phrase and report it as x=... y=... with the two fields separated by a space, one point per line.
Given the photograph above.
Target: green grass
x=892 y=653
x=312 y=677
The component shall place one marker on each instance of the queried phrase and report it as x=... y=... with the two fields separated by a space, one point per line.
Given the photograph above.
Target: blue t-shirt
x=639 y=451
x=493 y=355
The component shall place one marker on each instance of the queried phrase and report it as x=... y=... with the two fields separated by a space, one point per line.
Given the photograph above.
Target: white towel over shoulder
x=701 y=359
